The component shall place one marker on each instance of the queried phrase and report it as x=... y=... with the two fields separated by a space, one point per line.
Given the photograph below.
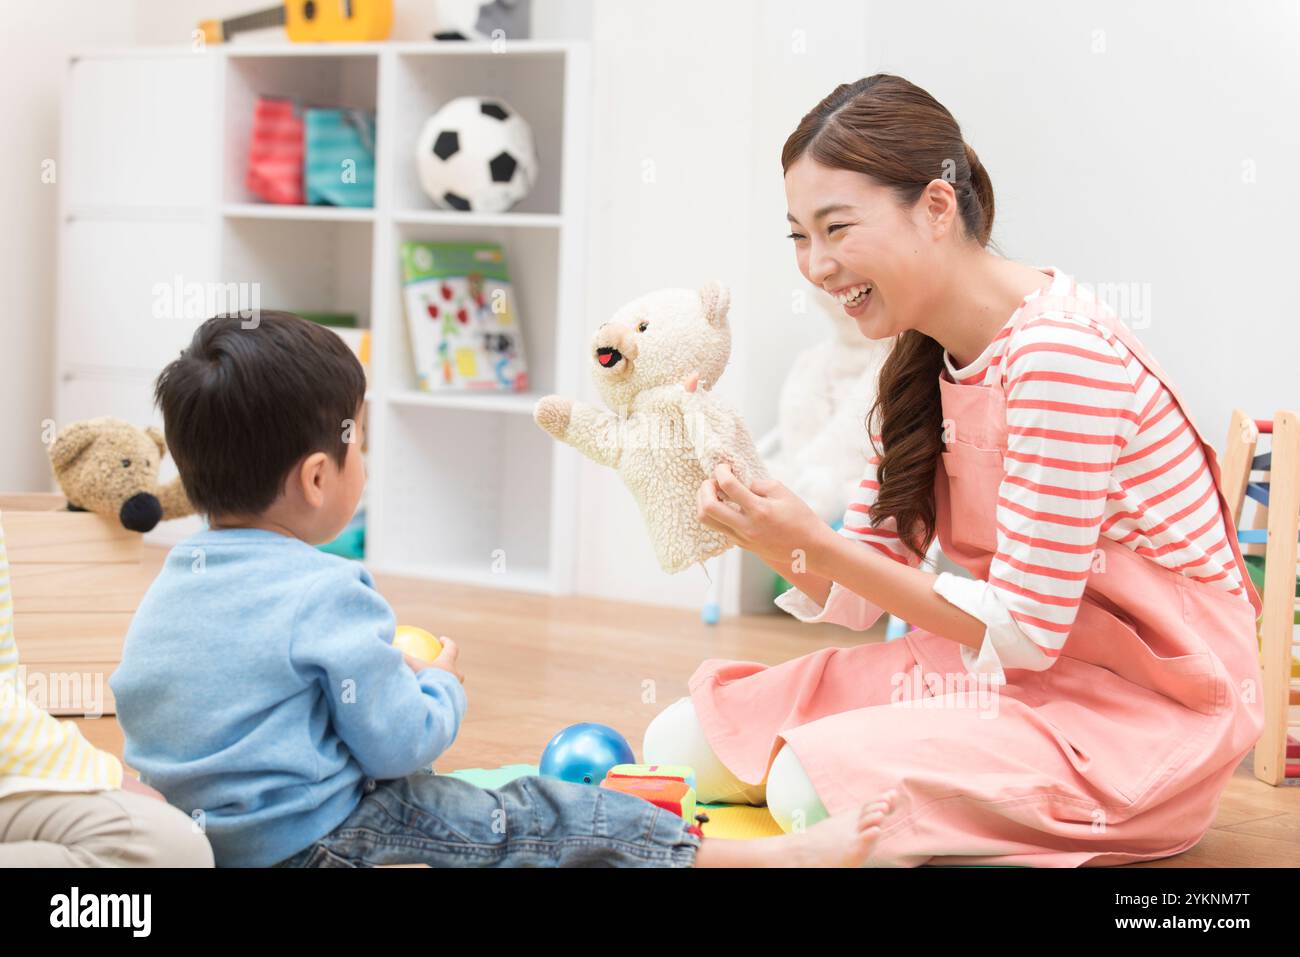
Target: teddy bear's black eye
x=643 y=326
x=126 y=463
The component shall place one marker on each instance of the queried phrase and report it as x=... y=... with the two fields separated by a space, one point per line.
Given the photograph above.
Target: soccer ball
x=476 y=154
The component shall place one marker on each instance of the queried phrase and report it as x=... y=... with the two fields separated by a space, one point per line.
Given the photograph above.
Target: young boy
x=259 y=690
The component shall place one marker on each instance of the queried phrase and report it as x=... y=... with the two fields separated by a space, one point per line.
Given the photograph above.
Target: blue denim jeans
x=428 y=818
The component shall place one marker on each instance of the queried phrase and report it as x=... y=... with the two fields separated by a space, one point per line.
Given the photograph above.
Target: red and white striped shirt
x=1096 y=446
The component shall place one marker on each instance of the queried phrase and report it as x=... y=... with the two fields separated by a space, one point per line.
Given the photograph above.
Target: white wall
x=1126 y=164
x=34 y=44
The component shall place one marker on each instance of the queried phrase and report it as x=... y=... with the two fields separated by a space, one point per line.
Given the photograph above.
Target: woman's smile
x=857 y=307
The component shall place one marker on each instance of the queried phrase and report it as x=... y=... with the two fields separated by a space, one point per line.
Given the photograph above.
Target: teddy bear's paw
x=553 y=413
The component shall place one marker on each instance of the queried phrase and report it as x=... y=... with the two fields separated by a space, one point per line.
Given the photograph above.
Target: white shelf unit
x=462 y=486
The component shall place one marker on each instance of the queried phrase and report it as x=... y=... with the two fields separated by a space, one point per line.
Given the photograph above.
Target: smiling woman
x=1023 y=424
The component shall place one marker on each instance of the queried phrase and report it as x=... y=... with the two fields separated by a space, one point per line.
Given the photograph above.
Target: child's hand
x=446 y=661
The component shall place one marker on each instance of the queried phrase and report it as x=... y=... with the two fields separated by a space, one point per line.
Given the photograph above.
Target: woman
x=1085 y=696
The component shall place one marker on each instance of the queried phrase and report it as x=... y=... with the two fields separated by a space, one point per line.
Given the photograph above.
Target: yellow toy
x=353 y=21
x=417 y=643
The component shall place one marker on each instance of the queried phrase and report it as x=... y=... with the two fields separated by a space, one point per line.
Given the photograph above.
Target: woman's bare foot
x=843 y=840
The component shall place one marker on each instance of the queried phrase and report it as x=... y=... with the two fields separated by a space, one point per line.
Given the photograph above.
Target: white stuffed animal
x=661 y=438
x=822 y=414
x=482 y=20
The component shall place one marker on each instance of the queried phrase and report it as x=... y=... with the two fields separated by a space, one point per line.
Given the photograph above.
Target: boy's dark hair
x=242 y=406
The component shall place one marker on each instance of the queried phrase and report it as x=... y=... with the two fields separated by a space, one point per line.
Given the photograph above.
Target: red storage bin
x=275 y=152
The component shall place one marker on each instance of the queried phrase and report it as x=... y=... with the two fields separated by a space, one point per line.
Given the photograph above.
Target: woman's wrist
x=822 y=551
x=784 y=569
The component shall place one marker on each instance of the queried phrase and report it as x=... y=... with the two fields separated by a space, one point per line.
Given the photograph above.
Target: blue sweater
x=259 y=688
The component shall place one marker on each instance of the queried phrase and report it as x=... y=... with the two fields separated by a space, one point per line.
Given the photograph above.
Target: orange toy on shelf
x=311 y=21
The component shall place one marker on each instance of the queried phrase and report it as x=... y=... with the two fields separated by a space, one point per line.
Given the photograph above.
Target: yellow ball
x=417 y=643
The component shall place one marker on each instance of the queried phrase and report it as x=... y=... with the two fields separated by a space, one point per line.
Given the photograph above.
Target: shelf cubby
x=464 y=501
x=532 y=257
x=348 y=81
x=302 y=266
x=532 y=82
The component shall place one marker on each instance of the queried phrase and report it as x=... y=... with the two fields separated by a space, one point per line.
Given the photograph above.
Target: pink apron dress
x=1117 y=753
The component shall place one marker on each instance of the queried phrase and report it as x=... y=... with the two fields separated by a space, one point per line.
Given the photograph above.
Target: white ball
x=476 y=154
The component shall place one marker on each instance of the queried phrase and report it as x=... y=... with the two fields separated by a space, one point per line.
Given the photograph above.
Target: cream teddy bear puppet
x=663 y=439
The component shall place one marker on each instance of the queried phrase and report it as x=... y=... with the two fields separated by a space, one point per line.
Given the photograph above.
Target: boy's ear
x=311 y=478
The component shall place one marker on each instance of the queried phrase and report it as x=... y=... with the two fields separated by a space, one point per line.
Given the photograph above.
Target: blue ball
x=584 y=753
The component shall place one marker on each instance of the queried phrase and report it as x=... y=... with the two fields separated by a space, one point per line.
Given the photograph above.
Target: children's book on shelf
x=460 y=312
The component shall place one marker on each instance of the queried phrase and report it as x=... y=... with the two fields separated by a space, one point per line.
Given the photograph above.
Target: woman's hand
x=766 y=518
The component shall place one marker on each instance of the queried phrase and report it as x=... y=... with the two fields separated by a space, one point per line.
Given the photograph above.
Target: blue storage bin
x=339 y=157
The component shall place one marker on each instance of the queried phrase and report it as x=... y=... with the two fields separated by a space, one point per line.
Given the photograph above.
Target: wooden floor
x=534 y=664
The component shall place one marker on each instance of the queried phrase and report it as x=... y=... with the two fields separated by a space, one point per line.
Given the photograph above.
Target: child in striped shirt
x=64 y=802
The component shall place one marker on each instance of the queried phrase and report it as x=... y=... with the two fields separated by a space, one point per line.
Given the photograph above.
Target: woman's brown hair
x=902 y=137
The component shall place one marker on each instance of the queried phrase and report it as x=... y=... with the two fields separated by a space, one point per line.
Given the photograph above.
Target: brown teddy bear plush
x=110 y=467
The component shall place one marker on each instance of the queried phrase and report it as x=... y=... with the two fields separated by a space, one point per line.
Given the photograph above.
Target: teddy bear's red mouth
x=608 y=356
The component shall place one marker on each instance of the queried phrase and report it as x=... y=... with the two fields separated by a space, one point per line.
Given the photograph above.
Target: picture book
x=462 y=318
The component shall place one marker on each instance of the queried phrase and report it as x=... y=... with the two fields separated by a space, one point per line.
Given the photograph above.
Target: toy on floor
x=681 y=772
x=663 y=440
x=669 y=786
x=476 y=154
x=727 y=821
x=417 y=643
x=672 y=794
x=110 y=467
x=584 y=753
